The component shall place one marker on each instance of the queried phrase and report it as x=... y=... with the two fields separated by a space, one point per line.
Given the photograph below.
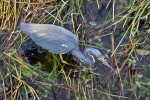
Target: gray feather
x=51 y=37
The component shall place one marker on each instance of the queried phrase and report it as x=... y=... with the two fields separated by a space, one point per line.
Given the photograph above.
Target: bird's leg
x=62 y=60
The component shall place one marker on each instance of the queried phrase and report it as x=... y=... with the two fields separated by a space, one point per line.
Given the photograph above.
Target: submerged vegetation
x=120 y=29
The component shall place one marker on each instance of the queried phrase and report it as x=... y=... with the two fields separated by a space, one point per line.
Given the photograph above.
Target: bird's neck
x=78 y=54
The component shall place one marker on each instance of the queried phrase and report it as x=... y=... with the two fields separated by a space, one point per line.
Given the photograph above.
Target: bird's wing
x=51 y=37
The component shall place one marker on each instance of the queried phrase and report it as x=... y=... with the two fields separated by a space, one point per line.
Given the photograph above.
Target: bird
x=59 y=40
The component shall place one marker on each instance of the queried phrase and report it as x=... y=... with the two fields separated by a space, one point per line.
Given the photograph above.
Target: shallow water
x=98 y=76
x=93 y=37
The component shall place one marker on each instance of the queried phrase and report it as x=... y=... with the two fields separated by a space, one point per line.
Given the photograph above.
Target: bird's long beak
x=105 y=63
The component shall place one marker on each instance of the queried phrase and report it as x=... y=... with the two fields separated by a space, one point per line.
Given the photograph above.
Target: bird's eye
x=90 y=53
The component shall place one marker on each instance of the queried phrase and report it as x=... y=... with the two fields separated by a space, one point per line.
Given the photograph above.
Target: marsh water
x=97 y=33
x=95 y=36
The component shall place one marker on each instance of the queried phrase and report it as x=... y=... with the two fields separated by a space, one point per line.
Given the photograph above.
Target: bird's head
x=92 y=53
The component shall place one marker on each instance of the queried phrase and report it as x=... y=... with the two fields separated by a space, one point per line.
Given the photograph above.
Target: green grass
x=128 y=50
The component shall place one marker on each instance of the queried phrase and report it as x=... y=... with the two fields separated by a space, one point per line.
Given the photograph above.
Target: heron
x=59 y=40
